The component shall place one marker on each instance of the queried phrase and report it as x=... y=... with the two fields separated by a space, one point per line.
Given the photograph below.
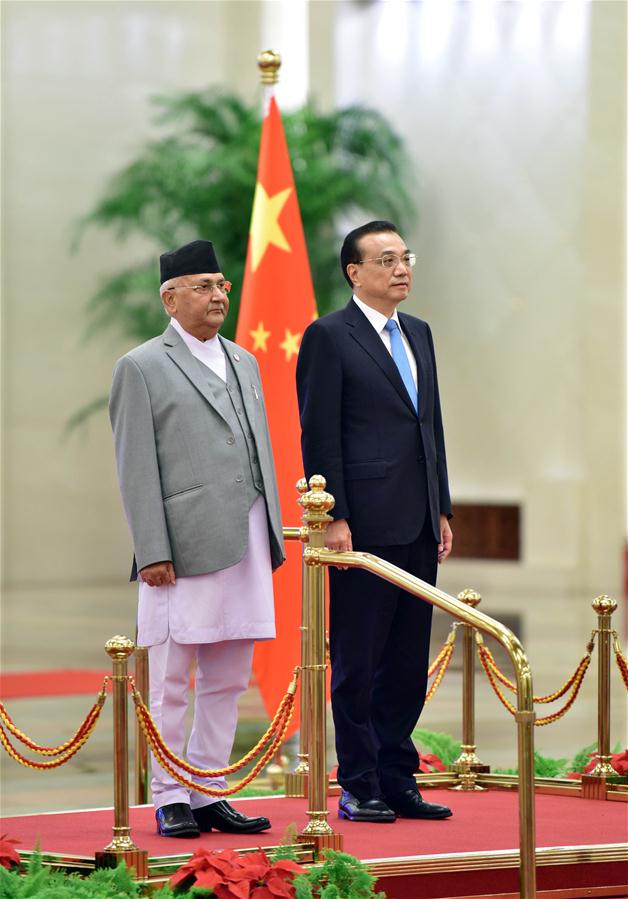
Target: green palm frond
x=198 y=180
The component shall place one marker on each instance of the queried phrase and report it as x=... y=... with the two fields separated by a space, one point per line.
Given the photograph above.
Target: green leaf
x=544 y=766
x=442 y=745
x=582 y=758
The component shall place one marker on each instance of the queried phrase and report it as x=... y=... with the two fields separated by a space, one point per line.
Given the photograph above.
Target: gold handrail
x=318 y=556
x=295 y=534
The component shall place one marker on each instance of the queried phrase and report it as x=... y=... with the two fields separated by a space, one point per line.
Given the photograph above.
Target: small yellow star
x=260 y=338
x=265 y=227
x=291 y=344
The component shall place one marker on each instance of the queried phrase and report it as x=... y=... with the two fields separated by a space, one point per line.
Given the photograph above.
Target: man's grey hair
x=167 y=285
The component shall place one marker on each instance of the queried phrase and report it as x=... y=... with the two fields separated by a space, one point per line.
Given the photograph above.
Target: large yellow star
x=291 y=344
x=260 y=338
x=265 y=227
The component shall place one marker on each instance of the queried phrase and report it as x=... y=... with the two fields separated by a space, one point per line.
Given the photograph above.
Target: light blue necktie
x=401 y=360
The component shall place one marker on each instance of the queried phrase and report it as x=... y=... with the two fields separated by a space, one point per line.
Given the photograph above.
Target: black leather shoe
x=175 y=820
x=410 y=804
x=222 y=816
x=373 y=811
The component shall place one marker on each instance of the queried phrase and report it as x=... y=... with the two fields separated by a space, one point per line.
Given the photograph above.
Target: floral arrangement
x=230 y=875
x=618 y=761
x=9 y=857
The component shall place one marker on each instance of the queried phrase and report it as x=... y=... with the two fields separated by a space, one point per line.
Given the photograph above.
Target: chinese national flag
x=276 y=306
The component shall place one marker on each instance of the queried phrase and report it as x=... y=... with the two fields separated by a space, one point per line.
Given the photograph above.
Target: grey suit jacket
x=177 y=463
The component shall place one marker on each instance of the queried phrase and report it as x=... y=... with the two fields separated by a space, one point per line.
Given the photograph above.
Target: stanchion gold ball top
x=470 y=598
x=119 y=647
x=317 y=499
x=302 y=486
x=604 y=605
x=317 y=482
x=269 y=63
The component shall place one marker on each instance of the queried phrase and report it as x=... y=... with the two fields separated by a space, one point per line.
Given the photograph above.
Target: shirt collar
x=213 y=344
x=377 y=319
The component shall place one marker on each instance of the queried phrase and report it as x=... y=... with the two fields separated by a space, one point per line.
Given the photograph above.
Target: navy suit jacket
x=384 y=464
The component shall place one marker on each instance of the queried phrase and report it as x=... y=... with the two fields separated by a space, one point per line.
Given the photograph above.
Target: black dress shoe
x=372 y=811
x=175 y=820
x=410 y=804
x=222 y=816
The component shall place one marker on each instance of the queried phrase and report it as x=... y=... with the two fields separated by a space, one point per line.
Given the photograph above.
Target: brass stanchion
x=141 y=746
x=594 y=784
x=316 y=504
x=296 y=781
x=467 y=766
x=121 y=847
x=525 y=703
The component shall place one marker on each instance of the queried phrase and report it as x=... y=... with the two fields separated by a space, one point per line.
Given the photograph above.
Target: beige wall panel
x=76 y=83
x=77 y=78
x=514 y=118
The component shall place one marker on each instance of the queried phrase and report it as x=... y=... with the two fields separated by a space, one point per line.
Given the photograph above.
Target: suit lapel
x=365 y=334
x=177 y=350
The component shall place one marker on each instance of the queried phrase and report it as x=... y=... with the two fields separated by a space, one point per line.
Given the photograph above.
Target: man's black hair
x=350 y=252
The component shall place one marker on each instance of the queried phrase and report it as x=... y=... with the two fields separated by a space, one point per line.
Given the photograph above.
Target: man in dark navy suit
x=371 y=424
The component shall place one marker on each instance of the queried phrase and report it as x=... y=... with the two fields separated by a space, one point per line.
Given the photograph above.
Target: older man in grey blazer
x=199 y=491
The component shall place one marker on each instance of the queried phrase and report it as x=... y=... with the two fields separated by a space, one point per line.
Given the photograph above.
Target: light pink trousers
x=222 y=675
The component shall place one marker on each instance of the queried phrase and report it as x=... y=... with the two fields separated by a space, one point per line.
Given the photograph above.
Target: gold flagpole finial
x=269 y=63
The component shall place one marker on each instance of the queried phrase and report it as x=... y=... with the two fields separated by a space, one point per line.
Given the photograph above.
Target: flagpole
x=269 y=63
x=312 y=773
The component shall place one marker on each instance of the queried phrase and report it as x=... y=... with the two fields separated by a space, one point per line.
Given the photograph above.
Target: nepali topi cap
x=196 y=258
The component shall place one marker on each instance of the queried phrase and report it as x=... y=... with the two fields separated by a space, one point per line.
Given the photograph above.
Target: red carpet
x=481 y=822
x=59 y=682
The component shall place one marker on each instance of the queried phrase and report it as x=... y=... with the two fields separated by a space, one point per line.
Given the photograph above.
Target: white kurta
x=233 y=604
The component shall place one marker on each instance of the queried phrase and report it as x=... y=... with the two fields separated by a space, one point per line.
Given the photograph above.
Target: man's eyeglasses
x=391 y=260
x=205 y=289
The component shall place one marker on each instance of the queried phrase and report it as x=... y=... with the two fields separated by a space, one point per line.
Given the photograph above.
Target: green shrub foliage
x=442 y=745
x=198 y=179
x=45 y=883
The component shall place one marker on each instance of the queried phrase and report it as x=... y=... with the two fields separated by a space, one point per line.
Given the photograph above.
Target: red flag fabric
x=276 y=306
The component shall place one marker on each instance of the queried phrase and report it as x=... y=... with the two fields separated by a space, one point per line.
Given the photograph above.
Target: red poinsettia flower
x=261 y=893
x=619 y=761
x=434 y=761
x=9 y=858
x=277 y=886
x=254 y=858
x=287 y=865
x=429 y=763
x=250 y=873
x=233 y=876
x=209 y=879
x=240 y=890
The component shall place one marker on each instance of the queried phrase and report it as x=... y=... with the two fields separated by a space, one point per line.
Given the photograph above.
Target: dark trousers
x=379 y=640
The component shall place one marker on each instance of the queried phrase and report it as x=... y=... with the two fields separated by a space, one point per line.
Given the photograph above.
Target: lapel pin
x=236 y=357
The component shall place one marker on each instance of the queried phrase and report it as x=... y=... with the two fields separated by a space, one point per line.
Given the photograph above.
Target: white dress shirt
x=379 y=322
x=209 y=352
